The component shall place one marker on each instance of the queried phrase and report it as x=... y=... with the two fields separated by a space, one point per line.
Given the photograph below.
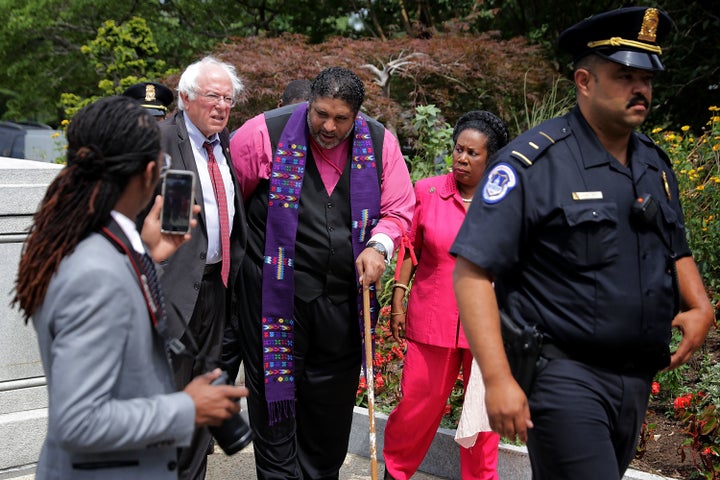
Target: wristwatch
x=380 y=248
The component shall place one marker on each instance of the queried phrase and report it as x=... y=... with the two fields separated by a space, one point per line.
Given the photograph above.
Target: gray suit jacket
x=183 y=272
x=113 y=411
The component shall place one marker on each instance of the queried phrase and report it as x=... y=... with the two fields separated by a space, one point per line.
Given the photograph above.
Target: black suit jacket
x=182 y=273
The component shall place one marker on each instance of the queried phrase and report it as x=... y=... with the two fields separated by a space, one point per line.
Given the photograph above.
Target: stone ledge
x=22 y=437
x=443 y=457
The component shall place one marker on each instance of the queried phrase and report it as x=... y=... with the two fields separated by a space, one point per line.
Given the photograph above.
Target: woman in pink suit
x=436 y=344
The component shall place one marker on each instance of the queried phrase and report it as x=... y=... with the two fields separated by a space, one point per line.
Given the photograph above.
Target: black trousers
x=586 y=421
x=327 y=356
x=205 y=332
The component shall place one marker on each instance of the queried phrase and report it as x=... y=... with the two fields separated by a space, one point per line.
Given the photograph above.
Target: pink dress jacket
x=432 y=316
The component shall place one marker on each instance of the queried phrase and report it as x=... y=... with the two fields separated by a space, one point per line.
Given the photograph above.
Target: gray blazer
x=112 y=412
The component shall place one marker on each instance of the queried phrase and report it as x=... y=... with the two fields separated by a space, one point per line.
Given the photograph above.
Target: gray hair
x=189 y=79
x=341 y=83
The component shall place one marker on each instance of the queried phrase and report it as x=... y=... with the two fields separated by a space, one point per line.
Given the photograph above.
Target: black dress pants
x=327 y=357
x=586 y=421
x=206 y=332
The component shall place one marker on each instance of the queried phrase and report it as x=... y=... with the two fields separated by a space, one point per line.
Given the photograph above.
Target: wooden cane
x=369 y=378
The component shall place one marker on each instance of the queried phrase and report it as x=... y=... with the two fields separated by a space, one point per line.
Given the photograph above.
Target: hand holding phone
x=178 y=192
x=162 y=245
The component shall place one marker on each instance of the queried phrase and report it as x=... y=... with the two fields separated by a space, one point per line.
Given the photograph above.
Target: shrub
x=699 y=414
x=696 y=160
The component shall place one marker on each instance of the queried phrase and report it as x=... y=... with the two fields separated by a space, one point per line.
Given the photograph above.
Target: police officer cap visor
x=155 y=97
x=154 y=111
x=628 y=36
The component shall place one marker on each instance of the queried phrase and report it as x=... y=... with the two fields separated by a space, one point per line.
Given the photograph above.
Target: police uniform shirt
x=556 y=234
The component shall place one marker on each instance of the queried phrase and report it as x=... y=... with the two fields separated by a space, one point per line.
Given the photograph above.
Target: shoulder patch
x=529 y=146
x=501 y=179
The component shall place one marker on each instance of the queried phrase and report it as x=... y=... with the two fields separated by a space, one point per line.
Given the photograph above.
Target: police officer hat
x=156 y=97
x=628 y=36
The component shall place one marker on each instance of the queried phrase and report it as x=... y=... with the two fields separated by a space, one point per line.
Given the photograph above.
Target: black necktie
x=153 y=284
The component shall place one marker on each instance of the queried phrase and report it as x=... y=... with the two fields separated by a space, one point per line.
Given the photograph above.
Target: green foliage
x=122 y=55
x=433 y=146
x=50 y=33
x=387 y=368
x=690 y=51
x=672 y=383
x=700 y=417
x=555 y=102
x=709 y=381
x=696 y=161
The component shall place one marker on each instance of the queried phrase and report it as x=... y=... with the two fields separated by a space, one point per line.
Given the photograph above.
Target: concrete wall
x=23 y=396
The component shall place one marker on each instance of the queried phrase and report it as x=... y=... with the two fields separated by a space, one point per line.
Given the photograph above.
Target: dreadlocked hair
x=485 y=122
x=341 y=83
x=109 y=141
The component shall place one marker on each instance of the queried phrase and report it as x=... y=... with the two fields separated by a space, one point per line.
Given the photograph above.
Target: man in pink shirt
x=328 y=197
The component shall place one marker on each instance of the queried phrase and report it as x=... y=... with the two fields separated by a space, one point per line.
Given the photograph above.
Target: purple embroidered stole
x=278 y=287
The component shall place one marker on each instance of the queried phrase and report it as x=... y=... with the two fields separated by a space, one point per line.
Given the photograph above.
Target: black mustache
x=638 y=99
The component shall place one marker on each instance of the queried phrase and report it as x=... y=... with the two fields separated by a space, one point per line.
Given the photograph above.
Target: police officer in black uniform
x=580 y=227
x=153 y=96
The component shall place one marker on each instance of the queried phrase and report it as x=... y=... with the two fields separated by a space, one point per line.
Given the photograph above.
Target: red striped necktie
x=219 y=189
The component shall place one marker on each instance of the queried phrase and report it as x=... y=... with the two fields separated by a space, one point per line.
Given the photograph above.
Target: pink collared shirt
x=432 y=315
x=251 y=154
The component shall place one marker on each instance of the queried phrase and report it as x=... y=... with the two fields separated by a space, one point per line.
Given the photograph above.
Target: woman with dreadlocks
x=90 y=287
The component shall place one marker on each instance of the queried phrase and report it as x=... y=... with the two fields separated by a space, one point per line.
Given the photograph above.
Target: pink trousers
x=428 y=376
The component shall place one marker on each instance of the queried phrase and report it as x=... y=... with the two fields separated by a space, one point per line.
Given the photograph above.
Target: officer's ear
x=583 y=77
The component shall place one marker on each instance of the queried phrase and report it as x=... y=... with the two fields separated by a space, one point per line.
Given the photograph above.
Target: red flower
x=362 y=386
x=683 y=401
x=655 y=389
x=447 y=409
x=385 y=311
x=378 y=360
x=379 y=381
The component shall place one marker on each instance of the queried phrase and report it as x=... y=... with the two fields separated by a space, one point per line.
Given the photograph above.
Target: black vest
x=324 y=260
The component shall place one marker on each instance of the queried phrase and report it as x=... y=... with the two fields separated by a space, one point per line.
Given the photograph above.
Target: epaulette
x=663 y=154
x=530 y=145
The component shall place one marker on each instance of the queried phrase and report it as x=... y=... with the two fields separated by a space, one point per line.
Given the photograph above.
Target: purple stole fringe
x=278 y=286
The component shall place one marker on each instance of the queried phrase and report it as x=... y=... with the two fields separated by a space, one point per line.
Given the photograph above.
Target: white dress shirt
x=210 y=206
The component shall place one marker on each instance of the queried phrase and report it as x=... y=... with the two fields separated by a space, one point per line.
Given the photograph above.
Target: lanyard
x=141 y=276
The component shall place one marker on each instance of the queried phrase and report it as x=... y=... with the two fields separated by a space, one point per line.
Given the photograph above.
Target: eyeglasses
x=216 y=99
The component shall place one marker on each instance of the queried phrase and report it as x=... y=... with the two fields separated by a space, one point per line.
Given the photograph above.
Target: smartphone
x=178 y=192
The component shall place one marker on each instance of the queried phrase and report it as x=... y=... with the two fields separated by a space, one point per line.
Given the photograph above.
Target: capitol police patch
x=500 y=181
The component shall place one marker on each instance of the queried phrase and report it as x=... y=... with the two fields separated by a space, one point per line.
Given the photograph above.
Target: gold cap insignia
x=149 y=93
x=648 y=30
